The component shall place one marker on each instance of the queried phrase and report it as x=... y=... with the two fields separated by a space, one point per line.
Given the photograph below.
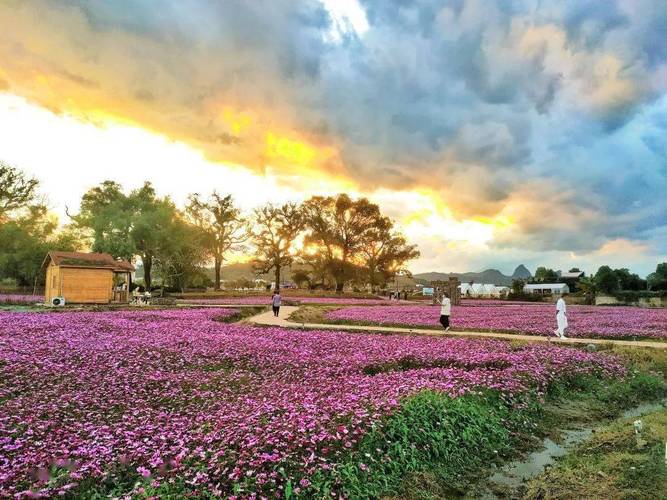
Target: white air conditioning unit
x=58 y=301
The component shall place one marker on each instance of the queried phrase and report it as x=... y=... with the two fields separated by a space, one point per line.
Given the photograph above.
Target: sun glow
x=70 y=154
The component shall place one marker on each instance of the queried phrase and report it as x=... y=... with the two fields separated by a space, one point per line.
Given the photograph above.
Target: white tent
x=481 y=290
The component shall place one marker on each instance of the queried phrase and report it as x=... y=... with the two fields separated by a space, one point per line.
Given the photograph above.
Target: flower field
x=287 y=299
x=533 y=319
x=147 y=399
x=20 y=299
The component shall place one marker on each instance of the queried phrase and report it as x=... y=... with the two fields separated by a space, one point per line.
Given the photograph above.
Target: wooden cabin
x=87 y=278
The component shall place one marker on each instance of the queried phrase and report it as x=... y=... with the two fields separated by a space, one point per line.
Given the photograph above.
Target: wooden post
x=454 y=291
x=451 y=286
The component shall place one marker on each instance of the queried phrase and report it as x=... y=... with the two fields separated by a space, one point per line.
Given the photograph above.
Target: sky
x=494 y=133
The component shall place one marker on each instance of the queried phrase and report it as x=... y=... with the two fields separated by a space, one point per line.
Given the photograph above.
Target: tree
x=544 y=274
x=575 y=270
x=128 y=225
x=179 y=258
x=658 y=279
x=301 y=277
x=221 y=227
x=154 y=226
x=338 y=228
x=276 y=229
x=24 y=242
x=107 y=212
x=628 y=280
x=16 y=190
x=588 y=287
x=517 y=287
x=27 y=230
x=606 y=280
x=384 y=253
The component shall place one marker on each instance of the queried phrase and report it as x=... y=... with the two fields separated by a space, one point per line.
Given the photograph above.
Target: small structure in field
x=546 y=288
x=86 y=278
x=451 y=286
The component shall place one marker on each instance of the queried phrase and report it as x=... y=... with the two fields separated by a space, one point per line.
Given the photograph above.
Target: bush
x=635 y=295
x=524 y=297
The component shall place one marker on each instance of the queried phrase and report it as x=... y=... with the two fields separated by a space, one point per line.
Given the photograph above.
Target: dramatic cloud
x=548 y=116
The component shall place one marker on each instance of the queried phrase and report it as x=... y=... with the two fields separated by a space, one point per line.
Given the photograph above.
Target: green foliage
x=545 y=275
x=605 y=398
x=24 y=242
x=628 y=280
x=658 y=279
x=276 y=229
x=517 y=286
x=342 y=232
x=220 y=227
x=606 y=280
x=430 y=431
x=141 y=223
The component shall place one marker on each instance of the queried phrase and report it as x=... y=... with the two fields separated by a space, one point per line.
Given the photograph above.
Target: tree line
x=329 y=242
x=605 y=280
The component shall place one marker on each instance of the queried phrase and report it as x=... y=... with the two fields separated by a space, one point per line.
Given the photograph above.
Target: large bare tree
x=221 y=227
x=276 y=229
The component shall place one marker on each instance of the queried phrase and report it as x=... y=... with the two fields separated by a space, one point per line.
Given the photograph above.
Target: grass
x=449 y=438
x=614 y=463
x=311 y=314
x=243 y=312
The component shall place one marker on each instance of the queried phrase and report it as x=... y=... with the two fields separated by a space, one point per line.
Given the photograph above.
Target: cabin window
x=53 y=281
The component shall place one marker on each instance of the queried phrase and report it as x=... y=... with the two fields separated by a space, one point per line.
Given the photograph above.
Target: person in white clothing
x=445 y=311
x=561 y=317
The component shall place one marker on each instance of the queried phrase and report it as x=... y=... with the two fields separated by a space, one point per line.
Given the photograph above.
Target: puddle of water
x=513 y=474
x=644 y=408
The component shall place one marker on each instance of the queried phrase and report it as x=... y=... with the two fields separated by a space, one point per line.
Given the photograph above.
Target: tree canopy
x=220 y=226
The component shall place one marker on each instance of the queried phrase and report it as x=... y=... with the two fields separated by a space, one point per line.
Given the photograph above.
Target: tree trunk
x=277 y=278
x=218 y=264
x=340 y=280
x=147 y=260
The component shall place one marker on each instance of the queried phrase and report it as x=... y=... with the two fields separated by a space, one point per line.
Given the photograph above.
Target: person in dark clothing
x=275 y=303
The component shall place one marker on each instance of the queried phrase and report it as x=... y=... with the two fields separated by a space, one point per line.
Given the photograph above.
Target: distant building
x=546 y=289
x=86 y=278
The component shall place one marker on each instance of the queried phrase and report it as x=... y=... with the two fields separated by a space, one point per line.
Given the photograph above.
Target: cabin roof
x=89 y=260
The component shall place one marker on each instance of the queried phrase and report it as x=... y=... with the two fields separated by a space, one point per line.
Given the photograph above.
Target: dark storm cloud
x=516 y=106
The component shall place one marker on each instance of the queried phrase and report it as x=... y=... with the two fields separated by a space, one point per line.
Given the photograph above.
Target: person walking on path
x=561 y=317
x=445 y=311
x=275 y=303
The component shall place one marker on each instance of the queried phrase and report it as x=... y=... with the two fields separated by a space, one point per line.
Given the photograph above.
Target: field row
x=96 y=401
x=533 y=319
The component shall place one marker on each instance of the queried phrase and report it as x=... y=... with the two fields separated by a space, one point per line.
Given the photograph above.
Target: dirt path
x=268 y=319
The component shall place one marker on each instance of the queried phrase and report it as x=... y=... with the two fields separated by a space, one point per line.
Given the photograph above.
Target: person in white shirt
x=445 y=311
x=561 y=317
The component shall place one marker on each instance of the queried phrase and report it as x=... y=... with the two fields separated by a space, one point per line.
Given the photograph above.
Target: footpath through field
x=268 y=319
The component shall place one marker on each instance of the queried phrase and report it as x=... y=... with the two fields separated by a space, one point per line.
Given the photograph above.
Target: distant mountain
x=488 y=276
x=521 y=273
